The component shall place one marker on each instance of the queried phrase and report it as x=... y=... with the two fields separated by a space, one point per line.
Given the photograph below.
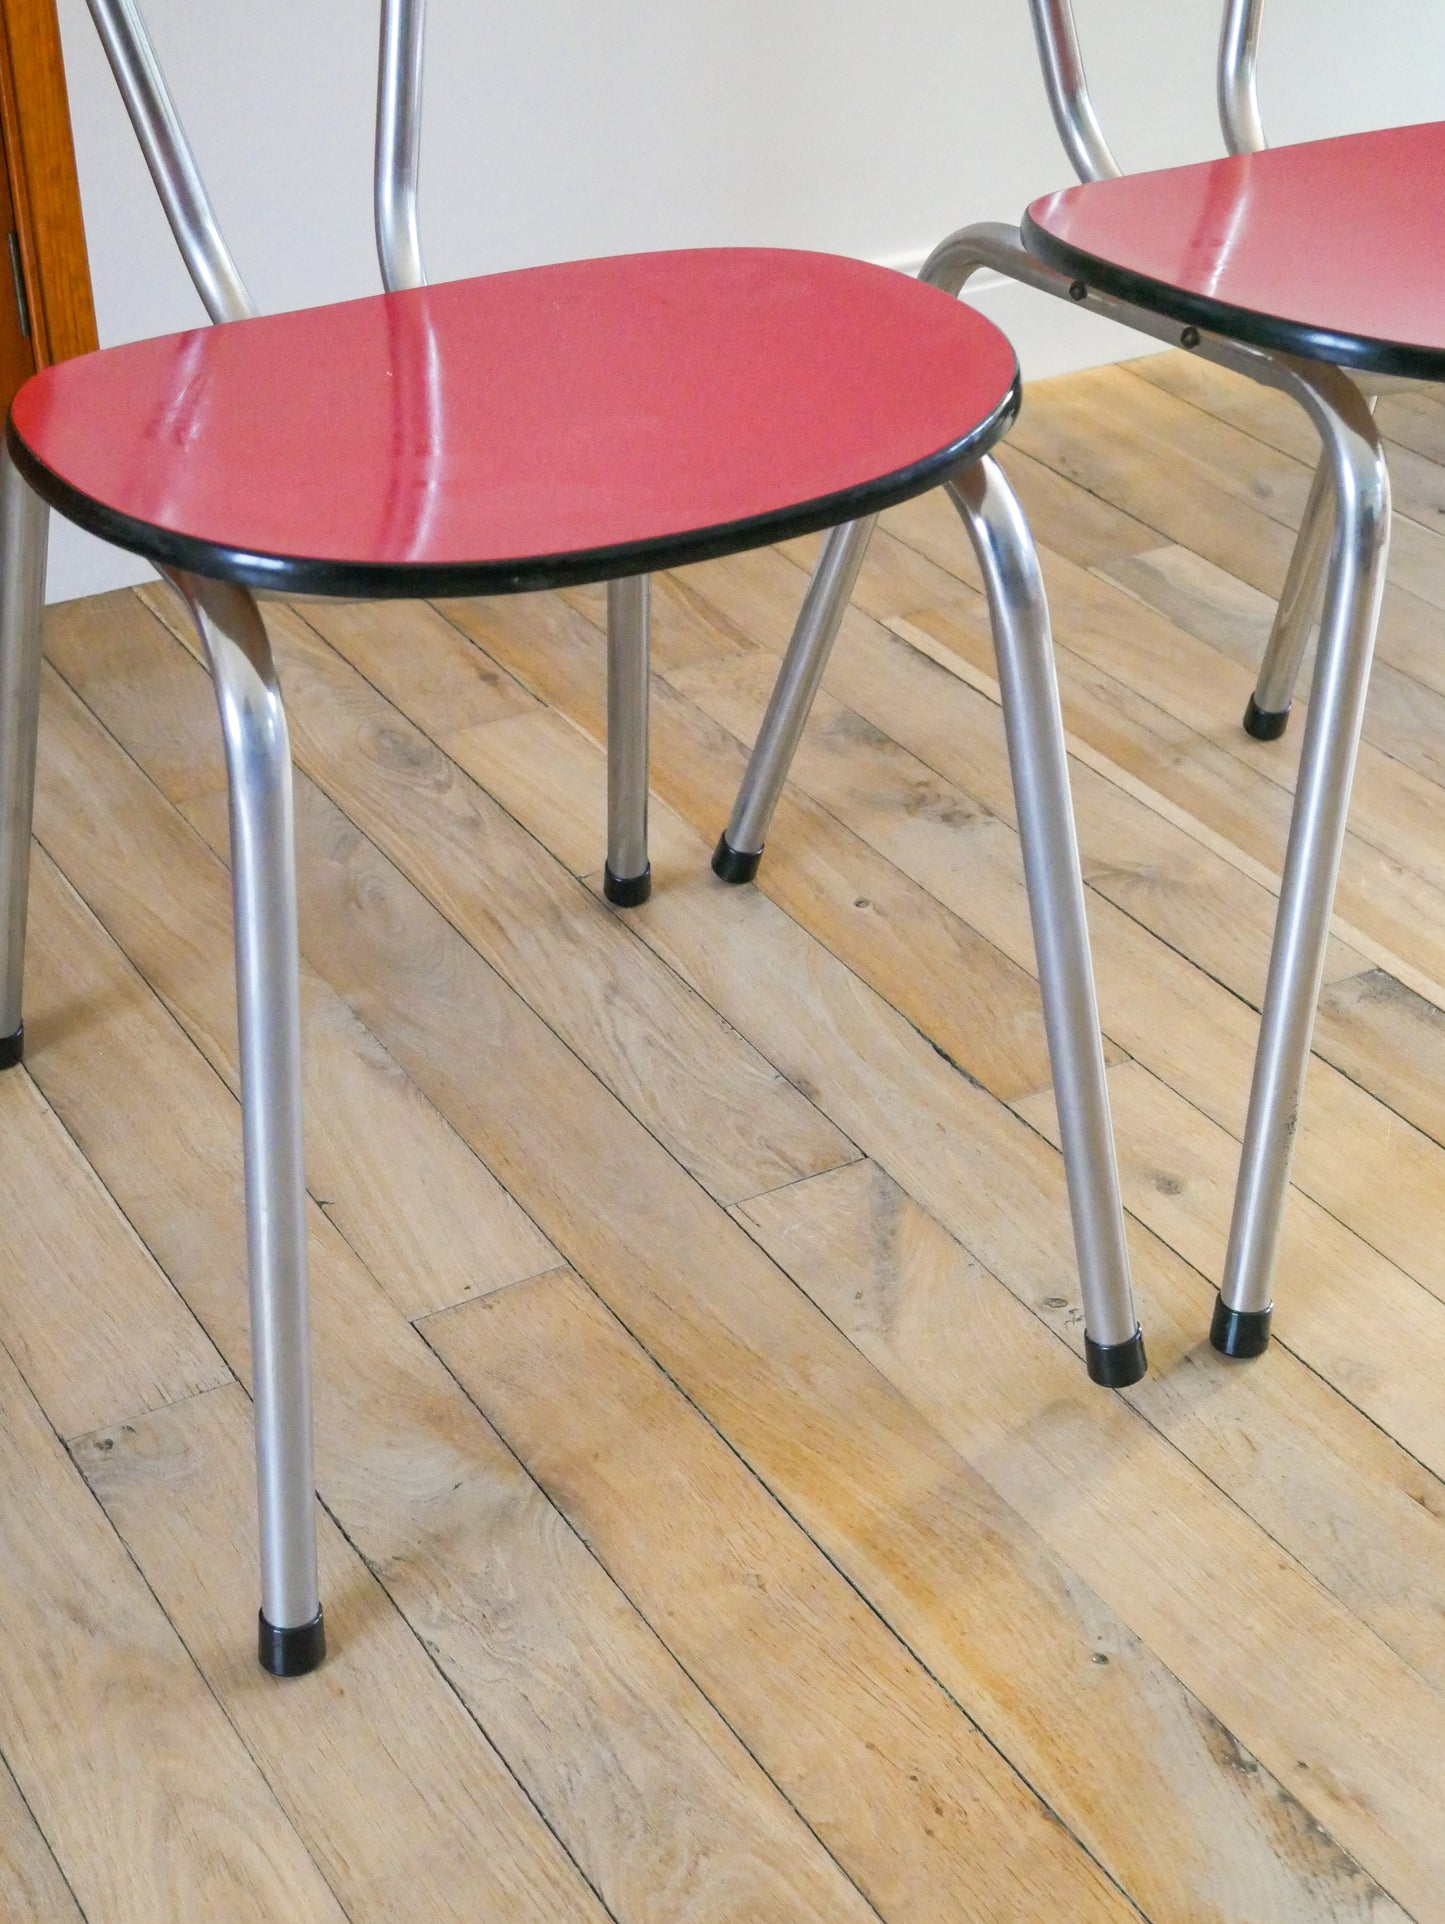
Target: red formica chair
x=1290 y=265
x=578 y=423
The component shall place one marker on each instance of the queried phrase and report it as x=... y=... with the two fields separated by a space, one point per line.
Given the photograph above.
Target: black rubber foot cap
x=1265 y=724
x=1115 y=1365
x=291 y=1653
x=1240 y=1332
x=731 y=865
x=625 y=892
x=12 y=1048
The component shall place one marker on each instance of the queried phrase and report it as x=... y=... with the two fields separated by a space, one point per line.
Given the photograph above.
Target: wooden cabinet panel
x=41 y=201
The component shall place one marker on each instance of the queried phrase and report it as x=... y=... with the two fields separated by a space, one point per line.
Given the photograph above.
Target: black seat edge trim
x=371 y=581
x=1356 y=351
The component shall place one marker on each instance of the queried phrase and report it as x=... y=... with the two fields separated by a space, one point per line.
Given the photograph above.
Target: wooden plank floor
x=717 y=1522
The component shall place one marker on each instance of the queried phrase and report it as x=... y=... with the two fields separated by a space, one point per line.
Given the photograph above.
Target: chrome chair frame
x=259 y=779
x=258 y=762
x=1237 y=100
x=1341 y=551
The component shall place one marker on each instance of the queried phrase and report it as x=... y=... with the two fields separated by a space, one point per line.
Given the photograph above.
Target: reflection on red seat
x=523 y=429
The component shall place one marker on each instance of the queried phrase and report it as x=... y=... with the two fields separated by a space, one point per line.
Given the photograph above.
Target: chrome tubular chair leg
x=1268 y=711
x=24 y=521
x=1361 y=487
x=263 y=881
x=1113 y=1345
x=740 y=849
x=627 y=878
x=1361 y=498
x=1299 y=604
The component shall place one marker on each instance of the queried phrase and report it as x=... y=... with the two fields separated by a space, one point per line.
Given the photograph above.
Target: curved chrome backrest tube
x=1236 y=82
x=1068 y=90
x=398 y=143
x=169 y=157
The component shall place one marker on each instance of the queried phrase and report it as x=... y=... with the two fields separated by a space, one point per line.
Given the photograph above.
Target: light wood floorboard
x=716 y=1521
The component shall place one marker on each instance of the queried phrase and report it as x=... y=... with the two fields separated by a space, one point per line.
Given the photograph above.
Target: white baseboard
x=1049 y=337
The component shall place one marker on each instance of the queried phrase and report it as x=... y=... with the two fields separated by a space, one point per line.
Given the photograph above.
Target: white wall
x=558 y=128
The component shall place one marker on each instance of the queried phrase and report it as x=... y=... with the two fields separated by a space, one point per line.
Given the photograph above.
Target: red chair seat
x=522 y=430
x=1333 y=249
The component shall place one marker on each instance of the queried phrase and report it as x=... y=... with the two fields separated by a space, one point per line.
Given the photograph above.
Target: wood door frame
x=40 y=156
